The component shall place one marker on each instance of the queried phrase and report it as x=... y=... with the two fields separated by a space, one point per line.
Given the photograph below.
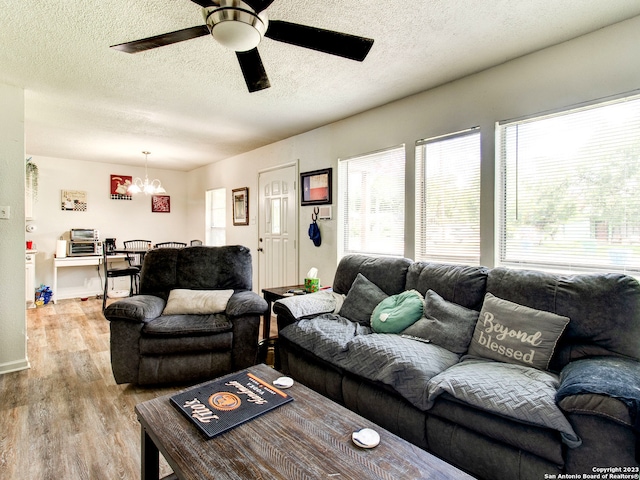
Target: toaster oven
x=77 y=249
x=84 y=235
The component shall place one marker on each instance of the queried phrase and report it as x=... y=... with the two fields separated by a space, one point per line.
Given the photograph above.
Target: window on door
x=570 y=186
x=216 y=217
x=448 y=198
x=371 y=203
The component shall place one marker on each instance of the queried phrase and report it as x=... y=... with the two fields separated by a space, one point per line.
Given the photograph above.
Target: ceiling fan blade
x=205 y=3
x=258 y=5
x=254 y=74
x=162 y=40
x=327 y=41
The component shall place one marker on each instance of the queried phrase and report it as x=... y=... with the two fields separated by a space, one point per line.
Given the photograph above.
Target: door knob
x=260 y=250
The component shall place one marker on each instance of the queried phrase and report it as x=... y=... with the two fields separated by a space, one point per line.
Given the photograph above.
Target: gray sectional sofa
x=507 y=374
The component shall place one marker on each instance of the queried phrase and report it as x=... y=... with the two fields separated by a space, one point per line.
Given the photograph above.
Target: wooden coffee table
x=307 y=438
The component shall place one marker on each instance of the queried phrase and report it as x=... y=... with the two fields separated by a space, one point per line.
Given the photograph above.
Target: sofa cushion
x=157 y=345
x=397 y=312
x=362 y=298
x=512 y=333
x=445 y=323
x=587 y=299
x=182 y=301
x=388 y=273
x=185 y=325
x=461 y=284
x=326 y=336
x=401 y=363
x=196 y=268
x=514 y=391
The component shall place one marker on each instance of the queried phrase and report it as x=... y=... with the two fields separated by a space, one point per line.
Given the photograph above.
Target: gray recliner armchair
x=149 y=347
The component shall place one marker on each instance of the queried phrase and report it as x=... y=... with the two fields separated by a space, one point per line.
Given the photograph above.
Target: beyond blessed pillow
x=446 y=324
x=182 y=301
x=362 y=298
x=397 y=312
x=513 y=333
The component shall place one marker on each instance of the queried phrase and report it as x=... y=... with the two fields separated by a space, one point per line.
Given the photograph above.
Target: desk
x=81 y=261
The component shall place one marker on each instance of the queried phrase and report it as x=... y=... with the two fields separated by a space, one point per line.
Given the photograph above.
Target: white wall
x=597 y=65
x=13 y=345
x=119 y=219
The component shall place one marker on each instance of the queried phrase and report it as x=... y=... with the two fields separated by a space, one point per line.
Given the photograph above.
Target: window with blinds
x=448 y=198
x=371 y=203
x=570 y=189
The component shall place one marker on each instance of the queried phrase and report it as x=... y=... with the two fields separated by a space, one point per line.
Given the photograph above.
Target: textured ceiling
x=188 y=104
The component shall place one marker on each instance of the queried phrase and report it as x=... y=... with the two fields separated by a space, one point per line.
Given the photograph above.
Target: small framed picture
x=316 y=187
x=240 y=206
x=161 y=203
x=73 y=200
x=120 y=187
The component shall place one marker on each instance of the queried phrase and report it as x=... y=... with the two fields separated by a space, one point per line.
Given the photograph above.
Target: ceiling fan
x=240 y=25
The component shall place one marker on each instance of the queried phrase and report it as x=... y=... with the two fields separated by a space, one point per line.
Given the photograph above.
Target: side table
x=271 y=295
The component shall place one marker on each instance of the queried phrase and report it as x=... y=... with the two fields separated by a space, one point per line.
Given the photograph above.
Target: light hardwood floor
x=65 y=417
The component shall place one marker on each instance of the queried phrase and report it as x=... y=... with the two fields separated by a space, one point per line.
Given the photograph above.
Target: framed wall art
x=73 y=200
x=120 y=187
x=240 y=206
x=161 y=203
x=316 y=187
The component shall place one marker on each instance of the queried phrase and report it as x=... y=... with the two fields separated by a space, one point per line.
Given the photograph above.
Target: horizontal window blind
x=570 y=185
x=371 y=203
x=448 y=198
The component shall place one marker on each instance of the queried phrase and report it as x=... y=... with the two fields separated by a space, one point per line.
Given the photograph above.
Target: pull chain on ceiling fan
x=241 y=26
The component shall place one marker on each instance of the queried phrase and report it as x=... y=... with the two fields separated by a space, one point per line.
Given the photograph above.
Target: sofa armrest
x=246 y=303
x=292 y=309
x=310 y=305
x=137 y=309
x=599 y=386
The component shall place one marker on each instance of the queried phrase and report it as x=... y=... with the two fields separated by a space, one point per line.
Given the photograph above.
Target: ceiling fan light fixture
x=236 y=28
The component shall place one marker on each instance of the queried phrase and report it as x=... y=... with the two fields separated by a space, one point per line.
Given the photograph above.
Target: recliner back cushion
x=604 y=309
x=196 y=268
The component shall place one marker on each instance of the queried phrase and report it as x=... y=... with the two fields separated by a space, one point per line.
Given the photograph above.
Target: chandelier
x=148 y=187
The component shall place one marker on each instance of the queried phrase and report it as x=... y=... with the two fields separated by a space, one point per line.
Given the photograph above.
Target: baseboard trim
x=15 y=366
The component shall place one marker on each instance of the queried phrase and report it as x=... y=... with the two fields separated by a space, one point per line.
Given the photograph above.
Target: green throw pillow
x=397 y=312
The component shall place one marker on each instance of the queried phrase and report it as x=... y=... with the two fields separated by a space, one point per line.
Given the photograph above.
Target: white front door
x=278 y=227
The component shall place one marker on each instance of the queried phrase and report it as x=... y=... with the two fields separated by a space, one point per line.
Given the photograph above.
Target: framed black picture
x=316 y=187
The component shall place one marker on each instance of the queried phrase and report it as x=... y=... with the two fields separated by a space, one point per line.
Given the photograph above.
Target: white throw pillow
x=182 y=301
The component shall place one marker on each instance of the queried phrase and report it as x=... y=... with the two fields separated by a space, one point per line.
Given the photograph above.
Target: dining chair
x=170 y=245
x=195 y=242
x=116 y=272
x=135 y=250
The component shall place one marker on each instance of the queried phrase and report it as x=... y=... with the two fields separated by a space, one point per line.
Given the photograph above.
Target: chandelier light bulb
x=153 y=187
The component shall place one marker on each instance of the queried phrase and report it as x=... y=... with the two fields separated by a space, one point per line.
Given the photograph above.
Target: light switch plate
x=5 y=212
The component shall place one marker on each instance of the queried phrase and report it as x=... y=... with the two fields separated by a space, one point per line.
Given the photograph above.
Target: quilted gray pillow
x=363 y=297
x=445 y=323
